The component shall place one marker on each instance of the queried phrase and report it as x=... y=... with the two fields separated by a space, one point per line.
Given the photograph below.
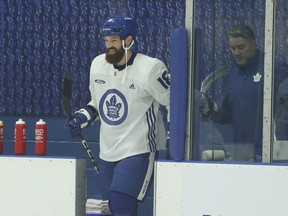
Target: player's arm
x=159 y=86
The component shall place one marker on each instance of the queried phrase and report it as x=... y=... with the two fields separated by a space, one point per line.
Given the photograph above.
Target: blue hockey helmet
x=119 y=25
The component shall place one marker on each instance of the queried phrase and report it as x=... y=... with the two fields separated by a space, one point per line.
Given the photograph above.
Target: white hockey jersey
x=131 y=122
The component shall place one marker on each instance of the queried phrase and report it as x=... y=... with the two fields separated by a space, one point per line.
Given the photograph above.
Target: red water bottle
x=1 y=137
x=40 y=138
x=20 y=137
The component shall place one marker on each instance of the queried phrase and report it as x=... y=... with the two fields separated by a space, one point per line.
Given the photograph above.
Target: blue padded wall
x=41 y=39
x=179 y=93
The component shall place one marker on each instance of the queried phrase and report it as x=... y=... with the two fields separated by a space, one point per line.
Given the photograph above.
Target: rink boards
x=209 y=189
x=42 y=186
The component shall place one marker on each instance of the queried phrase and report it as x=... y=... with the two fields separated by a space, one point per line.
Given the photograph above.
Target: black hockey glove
x=82 y=118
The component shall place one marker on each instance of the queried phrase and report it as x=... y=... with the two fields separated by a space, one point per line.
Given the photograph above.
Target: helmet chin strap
x=126 y=57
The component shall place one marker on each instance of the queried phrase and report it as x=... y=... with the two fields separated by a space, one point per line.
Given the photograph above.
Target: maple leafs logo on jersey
x=113 y=107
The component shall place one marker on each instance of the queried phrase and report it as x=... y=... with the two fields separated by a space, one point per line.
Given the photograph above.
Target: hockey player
x=127 y=89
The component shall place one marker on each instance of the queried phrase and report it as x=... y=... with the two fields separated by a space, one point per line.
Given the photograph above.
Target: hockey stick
x=217 y=74
x=66 y=100
x=212 y=154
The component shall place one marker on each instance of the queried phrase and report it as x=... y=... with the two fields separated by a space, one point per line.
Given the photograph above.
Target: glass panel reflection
x=280 y=145
x=228 y=108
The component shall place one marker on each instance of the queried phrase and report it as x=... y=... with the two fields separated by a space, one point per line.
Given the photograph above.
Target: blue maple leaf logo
x=113 y=107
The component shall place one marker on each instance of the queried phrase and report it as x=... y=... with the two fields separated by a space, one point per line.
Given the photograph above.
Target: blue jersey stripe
x=151 y=120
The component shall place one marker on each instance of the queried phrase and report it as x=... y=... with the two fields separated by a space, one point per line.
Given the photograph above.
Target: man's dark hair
x=243 y=31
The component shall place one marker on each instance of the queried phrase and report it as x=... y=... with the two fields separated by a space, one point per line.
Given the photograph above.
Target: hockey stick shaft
x=66 y=99
x=89 y=152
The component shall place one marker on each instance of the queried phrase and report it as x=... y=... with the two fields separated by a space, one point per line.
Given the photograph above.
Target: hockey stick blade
x=66 y=106
x=67 y=94
x=217 y=74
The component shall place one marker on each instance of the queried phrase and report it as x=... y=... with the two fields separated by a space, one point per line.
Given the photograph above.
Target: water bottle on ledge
x=40 y=138
x=20 y=137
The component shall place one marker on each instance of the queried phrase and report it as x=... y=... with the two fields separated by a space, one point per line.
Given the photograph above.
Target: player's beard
x=116 y=57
